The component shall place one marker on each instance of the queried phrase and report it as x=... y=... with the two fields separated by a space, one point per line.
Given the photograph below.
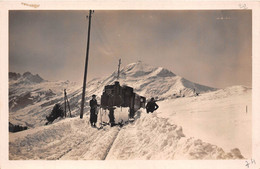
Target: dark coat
x=93 y=106
x=151 y=106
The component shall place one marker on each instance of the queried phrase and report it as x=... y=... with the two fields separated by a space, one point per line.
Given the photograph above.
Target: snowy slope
x=153 y=138
x=149 y=137
x=222 y=117
x=31 y=98
x=156 y=82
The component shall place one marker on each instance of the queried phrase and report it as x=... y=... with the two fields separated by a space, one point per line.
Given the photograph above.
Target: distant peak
x=162 y=72
x=138 y=69
x=27 y=74
x=33 y=78
x=14 y=76
x=27 y=77
x=138 y=64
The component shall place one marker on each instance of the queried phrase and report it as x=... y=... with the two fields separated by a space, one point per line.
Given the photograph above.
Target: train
x=122 y=96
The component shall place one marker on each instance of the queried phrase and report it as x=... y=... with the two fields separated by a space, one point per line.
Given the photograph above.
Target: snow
x=26 y=78
x=153 y=138
x=149 y=137
x=31 y=102
x=150 y=81
x=41 y=96
x=216 y=124
x=70 y=138
x=218 y=117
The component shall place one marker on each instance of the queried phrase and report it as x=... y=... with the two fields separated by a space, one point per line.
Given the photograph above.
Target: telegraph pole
x=118 y=71
x=65 y=103
x=86 y=67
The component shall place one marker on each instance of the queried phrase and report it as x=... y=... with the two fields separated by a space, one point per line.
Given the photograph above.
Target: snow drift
x=148 y=138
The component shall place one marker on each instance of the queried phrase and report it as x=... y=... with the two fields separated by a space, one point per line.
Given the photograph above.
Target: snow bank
x=153 y=138
x=68 y=139
x=149 y=137
x=222 y=117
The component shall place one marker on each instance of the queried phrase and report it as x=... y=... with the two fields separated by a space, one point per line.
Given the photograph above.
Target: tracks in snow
x=110 y=146
x=95 y=146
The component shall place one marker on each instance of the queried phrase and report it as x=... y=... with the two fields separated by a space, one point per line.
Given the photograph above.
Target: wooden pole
x=66 y=100
x=86 y=68
x=68 y=105
x=65 y=103
x=118 y=71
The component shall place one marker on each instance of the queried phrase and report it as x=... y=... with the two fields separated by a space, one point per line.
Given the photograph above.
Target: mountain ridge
x=25 y=78
x=36 y=100
x=151 y=81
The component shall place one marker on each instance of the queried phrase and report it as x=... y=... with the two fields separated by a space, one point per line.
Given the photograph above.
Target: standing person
x=93 y=110
x=151 y=106
x=111 y=116
x=111 y=108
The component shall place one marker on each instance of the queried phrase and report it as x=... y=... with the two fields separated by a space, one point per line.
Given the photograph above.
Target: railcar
x=122 y=96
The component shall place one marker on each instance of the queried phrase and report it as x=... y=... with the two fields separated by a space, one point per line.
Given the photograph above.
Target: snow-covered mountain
x=31 y=98
x=156 y=82
x=214 y=124
x=26 y=78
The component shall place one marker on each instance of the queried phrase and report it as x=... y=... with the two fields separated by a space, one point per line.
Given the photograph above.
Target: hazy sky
x=211 y=47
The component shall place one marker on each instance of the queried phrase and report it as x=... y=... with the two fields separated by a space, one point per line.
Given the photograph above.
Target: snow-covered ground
x=149 y=137
x=216 y=124
x=223 y=117
x=67 y=139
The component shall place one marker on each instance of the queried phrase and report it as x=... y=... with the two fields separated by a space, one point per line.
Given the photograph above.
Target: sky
x=209 y=47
